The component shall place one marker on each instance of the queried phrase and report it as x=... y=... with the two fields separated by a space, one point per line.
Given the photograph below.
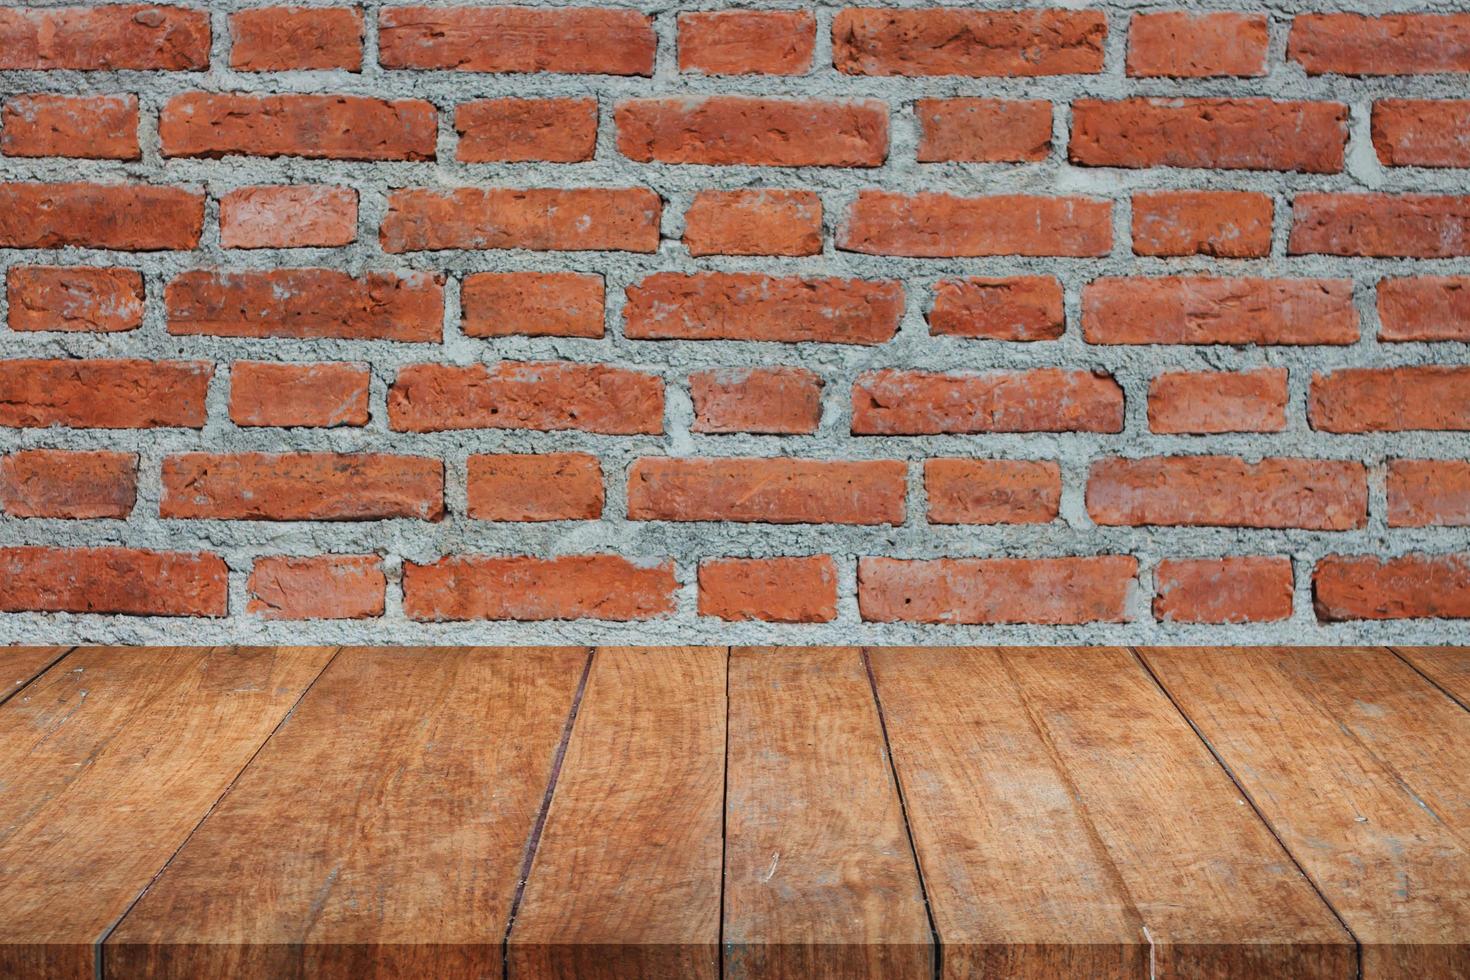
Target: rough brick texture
x=734 y=322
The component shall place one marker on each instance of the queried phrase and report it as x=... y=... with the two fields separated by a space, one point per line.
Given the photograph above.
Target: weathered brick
x=893 y=402
x=568 y=40
x=1056 y=591
x=983 y=130
x=1396 y=44
x=1415 y=586
x=1390 y=399
x=942 y=226
x=316 y=127
x=514 y=395
x=103 y=394
x=770 y=400
x=766 y=491
x=1226 y=491
x=90 y=127
x=1205 y=402
x=317 y=587
x=725 y=129
x=1021 y=308
x=123 y=217
x=141 y=37
x=526 y=588
x=271 y=393
x=532 y=304
x=288 y=216
x=535 y=487
x=992 y=491
x=307 y=303
x=1185 y=44
x=1190 y=310
x=90 y=300
x=747 y=42
x=285 y=38
x=771 y=590
x=749 y=306
x=754 y=222
x=955 y=41
x=1222 y=224
x=1424 y=308
x=1422 y=226
x=521 y=130
x=542 y=219
x=1422 y=132
x=115 y=581
x=73 y=485
x=1428 y=493
x=1223 y=590
x=301 y=487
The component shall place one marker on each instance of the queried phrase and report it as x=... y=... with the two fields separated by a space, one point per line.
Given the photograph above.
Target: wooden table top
x=746 y=813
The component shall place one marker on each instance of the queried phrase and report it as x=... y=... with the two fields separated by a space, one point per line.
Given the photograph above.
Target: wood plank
x=21 y=665
x=123 y=752
x=626 y=879
x=1449 y=667
x=1363 y=769
x=382 y=832
x=820 y=876
x=1069 y=822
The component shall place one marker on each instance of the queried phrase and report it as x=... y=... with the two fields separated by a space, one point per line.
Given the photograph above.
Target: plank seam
x=38 y=674
x=1437 y=685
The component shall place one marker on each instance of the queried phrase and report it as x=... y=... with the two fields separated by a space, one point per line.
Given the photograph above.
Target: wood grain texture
x=1363 y=769
x=1449 y=667
x=124 y=751
x=380 y=833
x=820 y=878
x=626 y=878
x=21 y=665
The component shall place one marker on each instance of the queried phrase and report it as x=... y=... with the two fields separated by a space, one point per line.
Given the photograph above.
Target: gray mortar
x=1072 y=534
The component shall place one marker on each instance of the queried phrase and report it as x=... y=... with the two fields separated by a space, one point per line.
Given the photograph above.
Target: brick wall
x=650 y=322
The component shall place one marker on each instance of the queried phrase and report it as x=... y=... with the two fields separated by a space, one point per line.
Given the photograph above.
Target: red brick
x=893 y=402
x=1219 y=134
x=767 y=491
x=307 y=304
x=283 y=38
x=1422 y=226
x=1428 y=493
x=521 y=130
x=320 y=587
x=1057 y=591
x=103 y=394
x=750 y=306
x=315 y=127
x=1422 y=132
x=1019 y=308
x=1226 y=491
x=567 y=40
x=771 y=590
x=1397 y=44
x=954 y=41
x=289 y=216
x=945 y=226
x=532 y=304
x=983 y=130
x=754 y=222
x=1415 y=586
x=747 y=42
x=1206 y=402
x=1183 y=44
x=301 y=487
x=1221 y=224
x=315 y=395
x=543 y=219
x=770 y=400
x=1390 y=399
x=1423 y=308
x=140 y=37
x=1189 y=310
x=992 y=491
x=75 y=485
x=90 y=300
x=123 y=217
x=724 y=129
x=91 y=127
x=117 y=581
x=515 y=395
x=1223 y=590
x=531 y=487
x=522 y=588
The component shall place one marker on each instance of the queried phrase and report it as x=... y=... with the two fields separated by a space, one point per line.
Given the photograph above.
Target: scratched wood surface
x=1449 y=667
x=21 y=665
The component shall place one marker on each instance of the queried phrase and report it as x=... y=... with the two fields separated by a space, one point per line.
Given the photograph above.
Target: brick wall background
x=827 y=323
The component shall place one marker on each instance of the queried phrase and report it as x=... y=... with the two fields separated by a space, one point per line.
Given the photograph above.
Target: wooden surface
x=689 y=812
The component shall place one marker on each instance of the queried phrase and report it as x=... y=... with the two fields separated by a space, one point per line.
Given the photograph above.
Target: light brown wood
x=123 y=752
x=626 y=878
x=1449 y=667
x=21 y=665
x=1363 y=769
x=820 y=876
x=382 y=831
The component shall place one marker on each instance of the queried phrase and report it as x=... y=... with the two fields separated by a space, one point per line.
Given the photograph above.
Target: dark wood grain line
x=37 y=672
x=1406 y=655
